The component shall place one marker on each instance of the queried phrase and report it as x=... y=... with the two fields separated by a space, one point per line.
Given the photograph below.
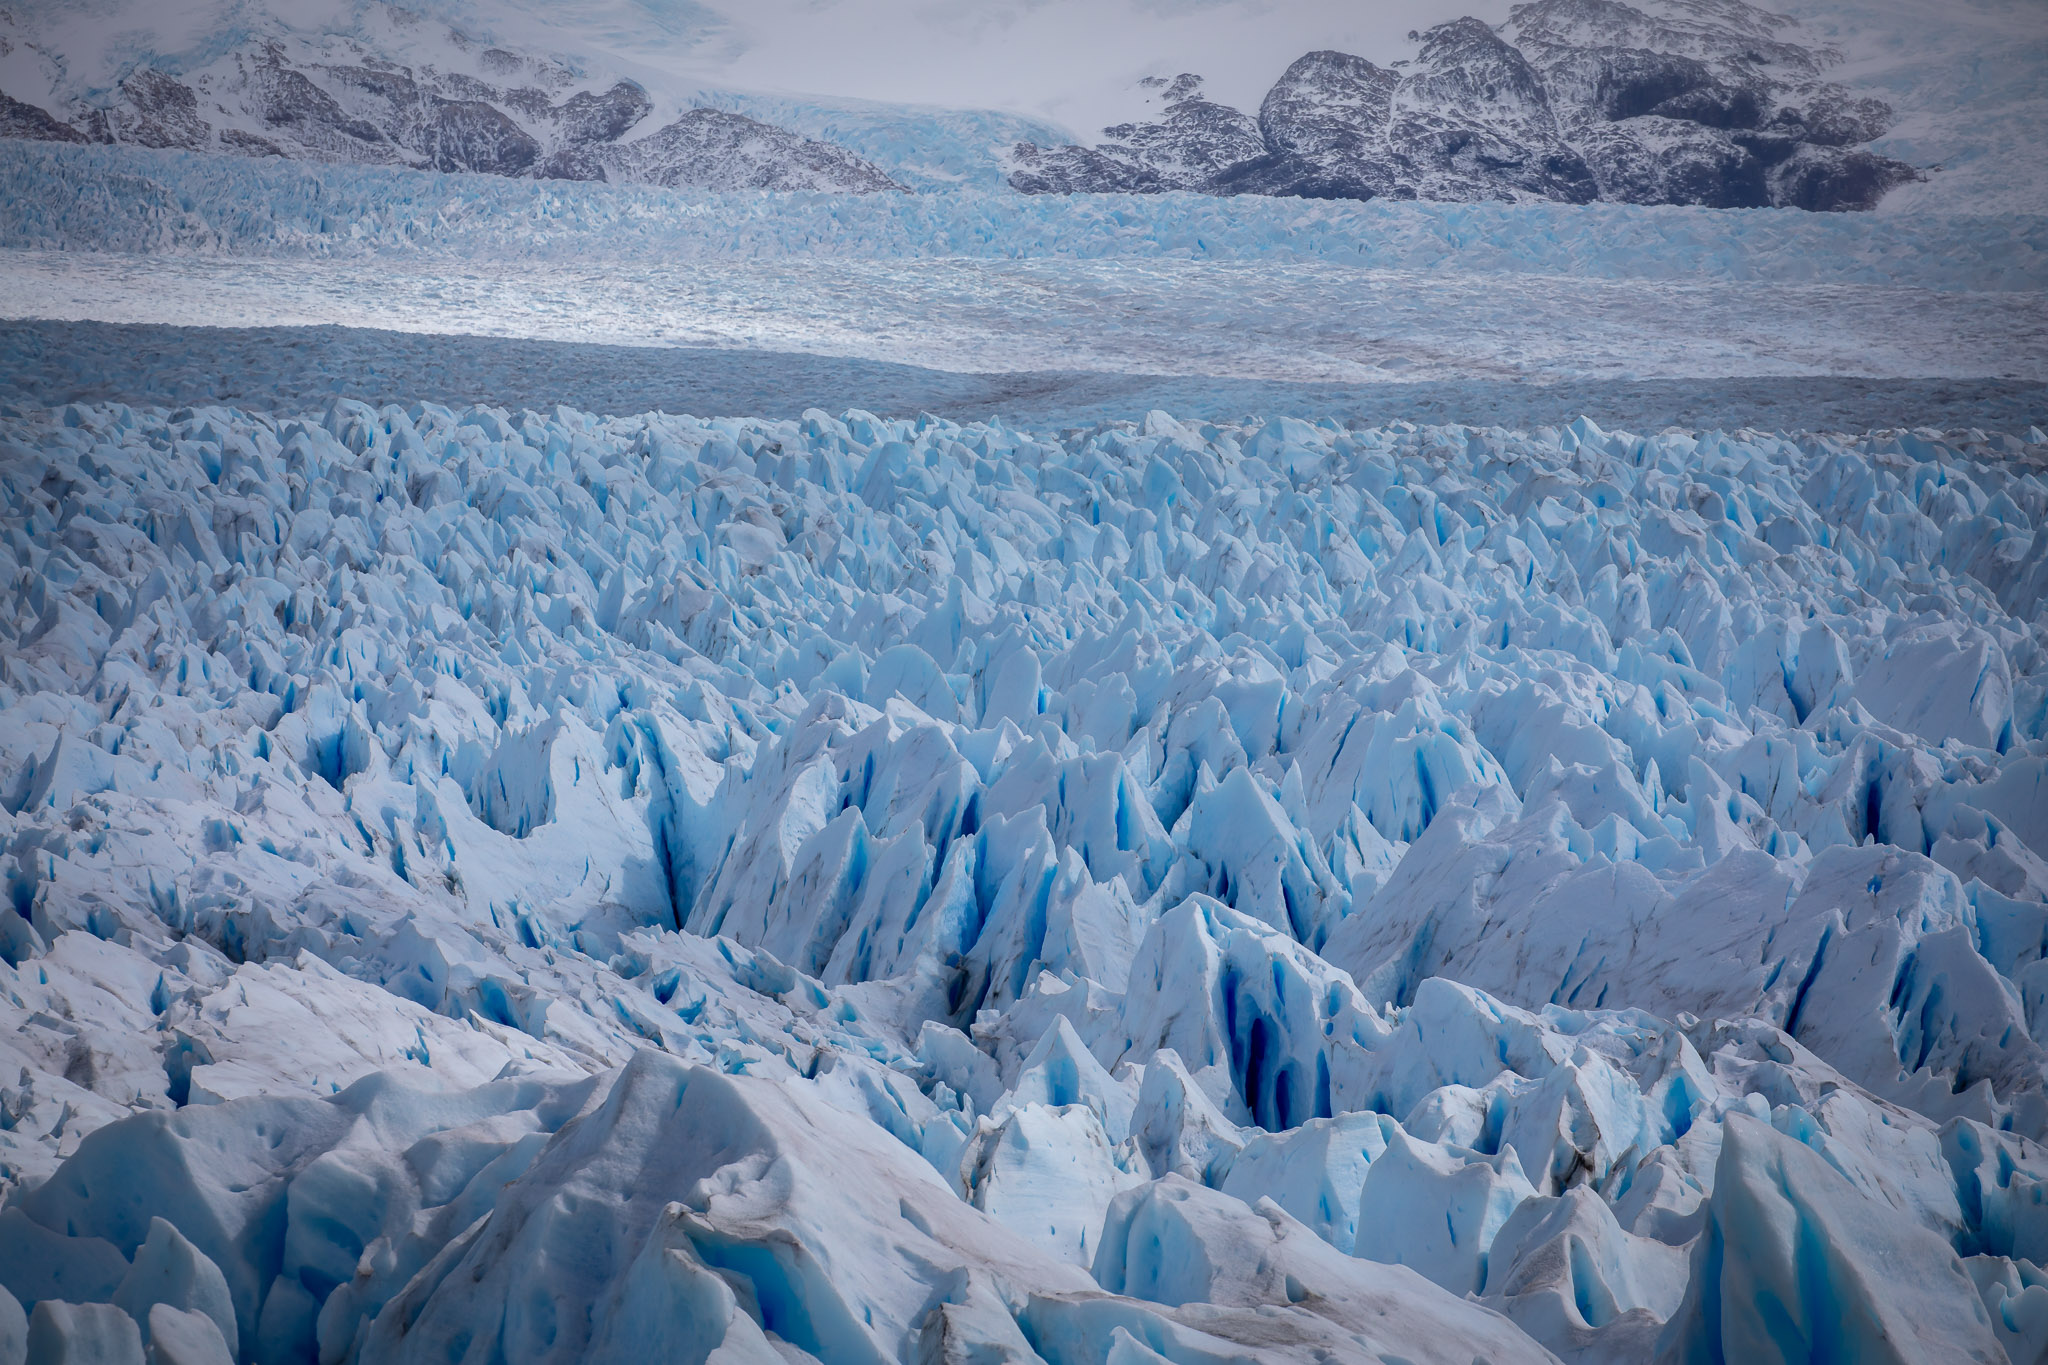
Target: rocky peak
x=1182 y=148
x=1732 y=37
x=1193 y=138
x=1326 y=102
x=717 y=150
x=1324 y=126
x=1473 y=120
x=1466 y=64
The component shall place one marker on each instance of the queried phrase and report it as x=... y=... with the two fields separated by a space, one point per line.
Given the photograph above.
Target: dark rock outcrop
x=27 y=121
x=157 y=111
x=586 y=117
x=470 y=135
x=712 y=149
x=290 y=105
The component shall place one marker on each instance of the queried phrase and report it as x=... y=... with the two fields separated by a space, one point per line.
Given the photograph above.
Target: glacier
x=1234 y=322
x=137 y=200
x=525 y=884
x=49 y=364
x=273 y=285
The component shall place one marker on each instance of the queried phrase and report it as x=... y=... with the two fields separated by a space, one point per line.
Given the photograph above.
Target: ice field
x=867 y=890
x=974 y=304
x=290 y=369
x=1299 y=322
x=594 y=774
x=133 y=200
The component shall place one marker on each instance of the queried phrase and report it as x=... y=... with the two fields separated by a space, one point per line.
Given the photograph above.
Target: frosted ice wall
x=530 y=886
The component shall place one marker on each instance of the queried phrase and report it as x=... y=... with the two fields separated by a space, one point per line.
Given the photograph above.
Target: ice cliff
x=527 y=886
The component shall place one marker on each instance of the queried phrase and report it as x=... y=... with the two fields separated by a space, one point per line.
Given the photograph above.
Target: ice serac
x=1793 y=1265
x=1218 y=1261
x=1566 y=1271
x=894 y=890
x=1436 y=1208
x=77 y=1333
x=169 y=1272
x=178 y=1336
x=746 y=1198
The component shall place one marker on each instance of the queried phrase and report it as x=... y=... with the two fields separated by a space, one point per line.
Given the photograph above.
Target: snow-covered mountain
x=1711 y=102
x=1673 y=101
x=458 y=104
x=941 y=101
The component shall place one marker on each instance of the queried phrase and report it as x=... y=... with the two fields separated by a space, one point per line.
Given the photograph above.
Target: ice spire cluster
x=516 y=886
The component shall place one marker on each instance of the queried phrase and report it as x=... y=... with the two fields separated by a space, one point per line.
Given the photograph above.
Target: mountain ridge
x=518 y=114
x=1706 y=102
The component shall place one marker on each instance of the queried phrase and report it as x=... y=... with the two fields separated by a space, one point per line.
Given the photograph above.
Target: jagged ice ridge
x=534 y=886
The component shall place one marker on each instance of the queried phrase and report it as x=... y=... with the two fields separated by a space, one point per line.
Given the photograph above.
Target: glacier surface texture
x=503 y=885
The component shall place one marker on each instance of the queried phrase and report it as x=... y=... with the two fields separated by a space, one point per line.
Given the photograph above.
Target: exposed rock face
x=586 y=117
x=1680 y=102
x=1706 y=104
x=470 y=135
x=1321 y=121
x=716 y=150
x=1474 y=119
x=527 y=121
x=27 y=121
x=158 y=112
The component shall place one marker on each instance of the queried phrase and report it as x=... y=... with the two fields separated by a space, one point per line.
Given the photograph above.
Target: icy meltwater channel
x=1285 y=320
x=527 y=886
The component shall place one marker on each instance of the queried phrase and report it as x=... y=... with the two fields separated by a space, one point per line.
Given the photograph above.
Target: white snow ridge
x=493 y=886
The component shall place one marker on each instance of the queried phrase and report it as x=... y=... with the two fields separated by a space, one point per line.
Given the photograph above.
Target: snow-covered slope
x=532 y=886
x=1965 y=78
